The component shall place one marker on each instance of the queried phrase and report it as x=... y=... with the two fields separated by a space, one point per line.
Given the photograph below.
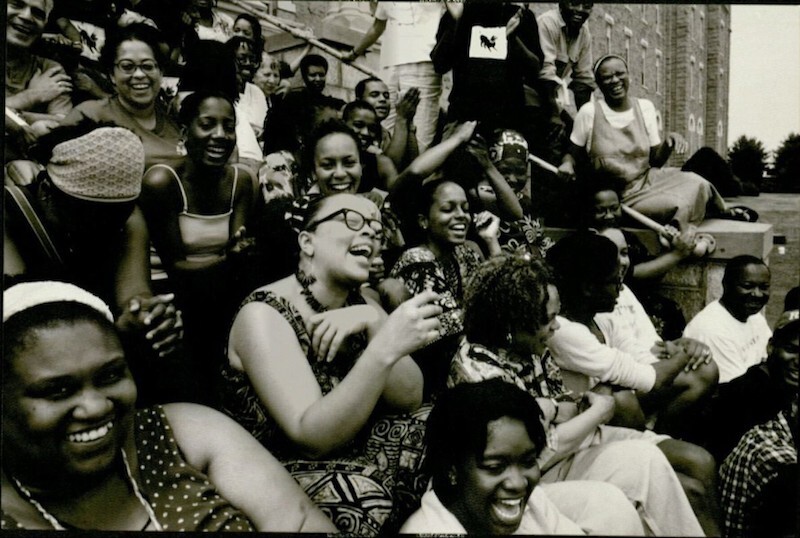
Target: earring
x=180 y=148
x=451 y=477
x=509 y=338
x=304 y=278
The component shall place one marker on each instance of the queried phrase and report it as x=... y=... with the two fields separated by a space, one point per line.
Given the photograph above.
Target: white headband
x=29 y=294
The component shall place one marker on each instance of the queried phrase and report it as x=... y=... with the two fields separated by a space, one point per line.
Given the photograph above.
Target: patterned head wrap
x=297 y=213
x=509 y=144
x=105 y=165
x=23 y=296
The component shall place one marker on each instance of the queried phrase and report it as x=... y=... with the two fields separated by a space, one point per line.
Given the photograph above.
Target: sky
x=764 y=99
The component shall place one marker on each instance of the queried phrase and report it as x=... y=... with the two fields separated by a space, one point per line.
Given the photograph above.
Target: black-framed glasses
x=128 y=67
x=352 y=219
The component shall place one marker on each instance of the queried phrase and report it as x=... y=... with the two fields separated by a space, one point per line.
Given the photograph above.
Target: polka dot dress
x=181 y=496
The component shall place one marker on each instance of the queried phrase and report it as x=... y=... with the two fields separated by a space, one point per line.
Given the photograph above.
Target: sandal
x=740 y=213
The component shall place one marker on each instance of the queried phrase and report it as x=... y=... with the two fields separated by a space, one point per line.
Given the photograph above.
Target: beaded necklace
x=57 y=525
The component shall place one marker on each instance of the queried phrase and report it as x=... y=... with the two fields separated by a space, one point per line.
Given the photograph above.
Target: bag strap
x=35 y=223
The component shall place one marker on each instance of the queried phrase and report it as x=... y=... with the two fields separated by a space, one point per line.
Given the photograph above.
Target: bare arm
x=660 y=154
x=434 y=157
x=51 y=87
x=243 y=471
x=133 y=270
x=267 y=349
x=573 y=432
x=403 y=132
x=375 y=31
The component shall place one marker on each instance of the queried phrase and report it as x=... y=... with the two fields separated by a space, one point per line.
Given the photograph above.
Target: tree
x=787 y=164
x=748 y=159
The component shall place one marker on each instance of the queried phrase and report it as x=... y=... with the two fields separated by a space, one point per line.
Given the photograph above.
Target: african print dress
x=369 y=485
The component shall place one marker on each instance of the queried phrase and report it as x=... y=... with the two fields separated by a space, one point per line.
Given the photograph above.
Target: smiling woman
x=133 y=60
x=483 y=443
x=196 y=213
x=314 y=367
x=77 y=455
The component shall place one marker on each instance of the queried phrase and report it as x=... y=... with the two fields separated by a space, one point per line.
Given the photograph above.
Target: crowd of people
x=303 y=314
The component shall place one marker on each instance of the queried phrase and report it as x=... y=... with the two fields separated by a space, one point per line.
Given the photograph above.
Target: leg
x=628 y=412
x=678 y=405
x=697 y=472
x=644 y=475
x=598 y=508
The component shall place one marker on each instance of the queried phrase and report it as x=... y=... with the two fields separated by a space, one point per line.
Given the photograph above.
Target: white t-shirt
x=584 y=122
x=410 y=31
x=629 y=327
x=221 y=28
x=735 y=346
x=540 y=517
x=252 y=106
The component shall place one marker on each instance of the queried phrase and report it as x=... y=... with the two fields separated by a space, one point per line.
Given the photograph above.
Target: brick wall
x=678 y=55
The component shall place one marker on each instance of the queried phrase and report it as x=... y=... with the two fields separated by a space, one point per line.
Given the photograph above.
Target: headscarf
x=602 y=59
x=509 y=144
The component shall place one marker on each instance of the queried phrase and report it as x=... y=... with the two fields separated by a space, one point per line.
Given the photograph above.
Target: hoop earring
x=180 y=148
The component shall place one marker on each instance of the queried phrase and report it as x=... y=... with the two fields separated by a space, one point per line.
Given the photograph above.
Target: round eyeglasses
x=352 y=219
x=128 y=67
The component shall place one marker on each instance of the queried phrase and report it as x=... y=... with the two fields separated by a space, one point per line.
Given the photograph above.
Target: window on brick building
x=690 y=21
x=628 y=34
x=692 y=63
x=609 y=27
x=658 y=18
x=700 y=84
x=658 y=71
x=701 y=27
x=644 y=13
x=644 y=45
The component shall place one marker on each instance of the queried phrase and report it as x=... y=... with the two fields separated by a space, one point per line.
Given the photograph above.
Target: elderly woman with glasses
x=314 y=366
x=133 y=59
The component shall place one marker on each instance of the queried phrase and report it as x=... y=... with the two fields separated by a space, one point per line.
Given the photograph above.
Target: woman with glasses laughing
x=133 y=60
x=315 y=367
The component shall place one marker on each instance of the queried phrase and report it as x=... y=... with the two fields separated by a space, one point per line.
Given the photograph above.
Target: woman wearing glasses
x=314 y=368
x=195 y=213
x=133 y=60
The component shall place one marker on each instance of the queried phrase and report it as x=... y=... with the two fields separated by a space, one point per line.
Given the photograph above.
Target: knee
x=692 y=460
x=701 y=381
x=707 y=376
x=694 y=489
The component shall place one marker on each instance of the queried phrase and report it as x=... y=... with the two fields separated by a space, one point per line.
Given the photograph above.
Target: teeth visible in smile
x=91 y=435
x=340 y=187
x=140 y=86
x=361 y=250
x=509 y=509
x=459 y=227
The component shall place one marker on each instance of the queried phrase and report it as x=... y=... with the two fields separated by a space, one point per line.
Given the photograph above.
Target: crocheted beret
x=105 y=165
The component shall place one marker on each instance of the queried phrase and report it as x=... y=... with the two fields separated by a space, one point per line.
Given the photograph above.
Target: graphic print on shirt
x=488 y=43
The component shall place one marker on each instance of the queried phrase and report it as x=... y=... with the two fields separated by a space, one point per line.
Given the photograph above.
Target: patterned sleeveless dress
x=368 y=486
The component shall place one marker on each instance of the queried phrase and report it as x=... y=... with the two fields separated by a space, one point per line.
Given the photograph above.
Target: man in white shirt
x=734 y=327
x=410 y=34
